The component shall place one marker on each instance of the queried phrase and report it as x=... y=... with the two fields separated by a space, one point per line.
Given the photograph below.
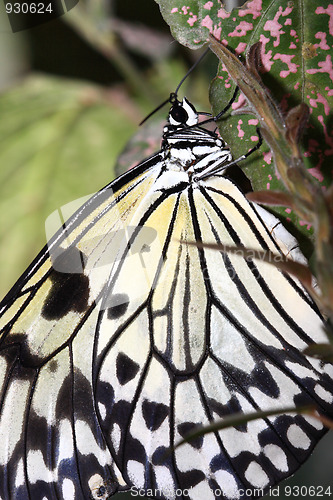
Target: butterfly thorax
x=187 y=146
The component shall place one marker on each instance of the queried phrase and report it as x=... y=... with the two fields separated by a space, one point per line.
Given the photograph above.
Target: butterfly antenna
x=173 y=95
x=191 y=69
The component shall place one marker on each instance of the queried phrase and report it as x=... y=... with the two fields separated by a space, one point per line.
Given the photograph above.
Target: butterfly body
x=122 y=337
x=190 y=149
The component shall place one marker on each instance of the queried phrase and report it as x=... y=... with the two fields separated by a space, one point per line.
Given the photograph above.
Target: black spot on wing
x=259 y=377
x=105 y=395
x=222 y=410
x=162 y=456
x=64 y=407
x=126 y=368
x=263 y=379
x=303 y=398
x=121 y=413
x=83 y=400
x=191 y=478
x=40 y=435
x=68 y=293
x=53 y=365
x=75 y=399
x=188 y=427
x=134 y=450
x=114 y=412
x=68 y=468
x=118 y=305
x=38 y=490
x=220 y=462
x=154 y=414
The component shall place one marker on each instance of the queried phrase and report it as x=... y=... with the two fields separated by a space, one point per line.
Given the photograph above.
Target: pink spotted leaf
x=297 y=40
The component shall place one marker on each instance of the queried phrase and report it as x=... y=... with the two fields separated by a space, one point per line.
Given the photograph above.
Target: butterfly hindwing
x=211 y=362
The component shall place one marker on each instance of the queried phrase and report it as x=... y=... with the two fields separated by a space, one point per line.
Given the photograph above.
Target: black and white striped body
x=192 y=149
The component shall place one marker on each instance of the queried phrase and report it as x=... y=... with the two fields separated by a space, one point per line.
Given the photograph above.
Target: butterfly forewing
x=122 y=337
x=47 y=342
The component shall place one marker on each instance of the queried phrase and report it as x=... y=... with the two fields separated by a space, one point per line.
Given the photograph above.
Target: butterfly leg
x=252 y=150
x=228 y=106
x=217 y=168
x=220 y=114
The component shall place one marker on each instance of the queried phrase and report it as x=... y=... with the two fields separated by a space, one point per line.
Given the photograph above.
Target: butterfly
x=122 y=337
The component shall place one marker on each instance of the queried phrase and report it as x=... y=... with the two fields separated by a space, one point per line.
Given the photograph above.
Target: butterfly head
x=182 y=114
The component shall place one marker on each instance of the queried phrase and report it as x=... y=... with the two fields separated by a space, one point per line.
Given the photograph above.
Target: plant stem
x=106 y=43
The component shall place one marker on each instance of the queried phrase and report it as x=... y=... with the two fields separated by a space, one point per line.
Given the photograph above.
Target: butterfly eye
x=179 y=114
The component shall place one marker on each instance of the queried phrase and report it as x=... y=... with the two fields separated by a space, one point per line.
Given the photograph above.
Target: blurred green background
x=72 y=92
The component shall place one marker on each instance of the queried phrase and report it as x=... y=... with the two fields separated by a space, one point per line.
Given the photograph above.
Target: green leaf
x=58 y=142
x=324 y=352
x=186 y=21
x=297 y=38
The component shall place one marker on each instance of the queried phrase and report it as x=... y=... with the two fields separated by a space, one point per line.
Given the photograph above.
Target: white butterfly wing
x=120 y=339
